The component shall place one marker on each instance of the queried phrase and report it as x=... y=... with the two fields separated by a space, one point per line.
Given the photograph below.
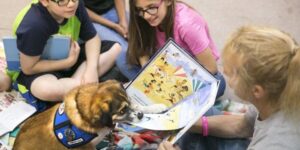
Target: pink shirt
x=190 y=32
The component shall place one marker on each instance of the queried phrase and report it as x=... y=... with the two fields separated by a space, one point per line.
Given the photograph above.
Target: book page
x=13 y=111
x=171 y=76
x=177 y=80
x=180 y=114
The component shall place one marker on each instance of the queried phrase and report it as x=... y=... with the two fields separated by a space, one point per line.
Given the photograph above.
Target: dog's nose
x=140 y=115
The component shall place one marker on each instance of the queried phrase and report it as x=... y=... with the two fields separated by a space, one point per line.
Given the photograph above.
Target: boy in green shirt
x=49 y=80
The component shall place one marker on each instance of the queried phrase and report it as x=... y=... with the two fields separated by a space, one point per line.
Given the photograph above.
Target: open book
x=13 y=111
x=174 y=78
x=57 y=47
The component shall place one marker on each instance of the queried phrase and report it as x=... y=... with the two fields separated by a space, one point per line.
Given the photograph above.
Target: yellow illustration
x=173 y=78
x=164 y=83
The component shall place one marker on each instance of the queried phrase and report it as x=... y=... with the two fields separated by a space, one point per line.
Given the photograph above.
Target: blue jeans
x=107 y=33
x=222 y=84
x=193 y=141
x=130 y=71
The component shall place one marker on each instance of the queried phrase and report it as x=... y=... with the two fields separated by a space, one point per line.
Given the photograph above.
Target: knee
x=124 y=45
x=48 y=93
x=118 y=46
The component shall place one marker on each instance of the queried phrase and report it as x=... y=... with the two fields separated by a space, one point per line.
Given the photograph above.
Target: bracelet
x=204 y=126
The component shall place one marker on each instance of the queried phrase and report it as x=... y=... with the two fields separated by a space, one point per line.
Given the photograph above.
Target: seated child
x=49 y=80
x=265 y=73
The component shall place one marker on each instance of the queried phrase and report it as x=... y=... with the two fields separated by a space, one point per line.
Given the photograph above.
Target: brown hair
x=142 y=39
x=269 y=58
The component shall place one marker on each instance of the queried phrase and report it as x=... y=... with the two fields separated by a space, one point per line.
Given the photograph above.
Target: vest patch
x=67 y=134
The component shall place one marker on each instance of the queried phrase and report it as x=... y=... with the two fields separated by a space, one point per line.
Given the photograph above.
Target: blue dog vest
x=66 y=133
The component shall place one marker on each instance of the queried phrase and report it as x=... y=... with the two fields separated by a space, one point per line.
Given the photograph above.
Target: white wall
x=224 y=16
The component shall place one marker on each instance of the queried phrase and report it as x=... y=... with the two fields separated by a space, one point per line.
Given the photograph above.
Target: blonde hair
x=269 y=58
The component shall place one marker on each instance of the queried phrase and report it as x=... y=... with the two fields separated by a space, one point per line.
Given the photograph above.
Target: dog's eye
x=121 y=112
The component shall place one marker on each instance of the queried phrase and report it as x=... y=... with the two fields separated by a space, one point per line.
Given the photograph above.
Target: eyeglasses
x=63 y=2
x=151 y=10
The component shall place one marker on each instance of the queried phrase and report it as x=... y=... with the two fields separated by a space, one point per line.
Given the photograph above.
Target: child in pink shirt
x=191 y=32
x=152 y=22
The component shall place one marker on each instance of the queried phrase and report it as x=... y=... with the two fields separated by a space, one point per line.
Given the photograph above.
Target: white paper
x=13 y=111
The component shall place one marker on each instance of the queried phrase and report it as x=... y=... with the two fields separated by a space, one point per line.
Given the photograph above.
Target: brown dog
x=92 y=108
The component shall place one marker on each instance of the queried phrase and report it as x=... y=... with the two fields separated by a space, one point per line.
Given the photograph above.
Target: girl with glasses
x=152 y=22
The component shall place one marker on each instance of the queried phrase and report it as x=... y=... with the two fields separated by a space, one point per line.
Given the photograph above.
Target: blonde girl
x=262 y=65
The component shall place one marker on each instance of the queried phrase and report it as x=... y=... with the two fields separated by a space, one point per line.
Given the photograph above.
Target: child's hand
x=5 y=82
x=124 y=25
x=121 y=30
x=73 y=54
x=165 y=145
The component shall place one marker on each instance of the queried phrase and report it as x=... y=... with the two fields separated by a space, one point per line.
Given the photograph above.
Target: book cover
x=174 y=78
x=57 y=47
x=13 y=111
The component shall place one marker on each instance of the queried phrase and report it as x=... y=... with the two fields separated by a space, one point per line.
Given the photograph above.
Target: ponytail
x=290 y=97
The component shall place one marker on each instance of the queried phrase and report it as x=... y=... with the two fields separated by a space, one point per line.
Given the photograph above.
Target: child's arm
x=227 y=126
x=105 y=22
x=206 y=59
x=120 y=7
x=33 y=64
x=99 y=19
x=92 y=50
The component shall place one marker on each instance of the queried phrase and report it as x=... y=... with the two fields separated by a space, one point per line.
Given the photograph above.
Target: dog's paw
x=151 y=109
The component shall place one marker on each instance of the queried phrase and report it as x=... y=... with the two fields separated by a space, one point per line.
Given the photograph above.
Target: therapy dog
x=87 y=112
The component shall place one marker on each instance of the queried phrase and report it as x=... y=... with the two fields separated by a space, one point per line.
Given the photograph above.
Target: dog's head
x=100 y=105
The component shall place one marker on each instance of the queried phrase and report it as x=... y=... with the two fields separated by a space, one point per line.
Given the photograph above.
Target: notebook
x=57 y=47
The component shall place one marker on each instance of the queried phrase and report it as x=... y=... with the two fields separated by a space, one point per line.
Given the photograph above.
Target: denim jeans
x=193 y=141
x=222 y=84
